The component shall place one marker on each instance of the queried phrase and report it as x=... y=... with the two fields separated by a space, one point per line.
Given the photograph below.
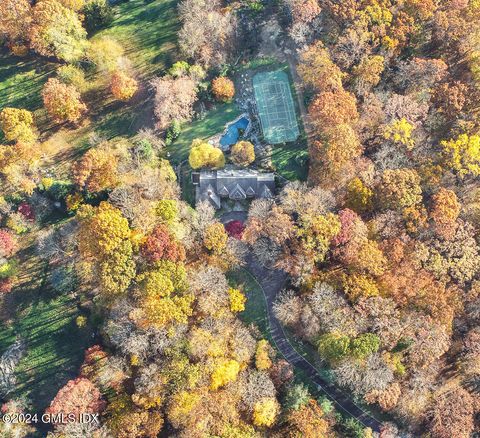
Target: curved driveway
x=272 y=282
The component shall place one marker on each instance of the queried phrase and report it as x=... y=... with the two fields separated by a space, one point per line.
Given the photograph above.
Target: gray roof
x=236 y=184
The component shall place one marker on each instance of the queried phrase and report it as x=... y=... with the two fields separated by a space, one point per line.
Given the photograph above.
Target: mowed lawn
x=147 y=30
x=55 y=349
x=256 y=307
x=212 y=123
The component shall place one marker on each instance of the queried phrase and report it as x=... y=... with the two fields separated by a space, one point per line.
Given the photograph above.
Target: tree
x=357 y=286
x=223 y=89
x=15 y=19
x=400 y=132
x=75 y=5
x=96 y=171
x=8 y=243
x=174 y=99
x=235 y=229
x=208 y=31
x=399 y=188
x=203 y=154
x=117 y=270
x=63 y=102
x=317 y=234
x=225 y=371
x=79 y=396
x=237 y=300
x=262 y=355
x=308 y=421
x=462 y=155
x=318 y=71
x=57 y=31
x=359 y=197
x=18 y=125
x=296 y=397
x=331 y=108
x=243 y=153
x=72 y=75
x=303 y=11
x=102 y=230
x=160 y=245
x=122 y=86
x=215 y=238
x=334 y=347
x=330 y=157
x=98 y=14
x=368 y=73
x=364 y=345
x=105 y=53
x=444 y=212
x=265 y=412
x=420 y=74
x=452 y=414
x=165 y=299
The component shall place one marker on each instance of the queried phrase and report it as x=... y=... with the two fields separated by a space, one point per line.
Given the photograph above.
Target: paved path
x=271 y=282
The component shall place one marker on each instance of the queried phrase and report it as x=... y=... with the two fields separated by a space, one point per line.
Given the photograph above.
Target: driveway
x=272 y=282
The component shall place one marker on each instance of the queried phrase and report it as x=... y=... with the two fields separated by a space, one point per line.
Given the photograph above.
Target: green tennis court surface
x=275 y=107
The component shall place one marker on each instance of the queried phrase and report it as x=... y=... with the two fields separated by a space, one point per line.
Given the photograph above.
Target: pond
x=232 y=133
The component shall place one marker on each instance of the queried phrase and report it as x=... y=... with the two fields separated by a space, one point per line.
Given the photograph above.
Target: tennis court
x=275 y=107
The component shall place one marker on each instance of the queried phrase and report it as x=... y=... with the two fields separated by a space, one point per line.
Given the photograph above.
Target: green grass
x=148 y=33
x=255 y=308
x=21 y=80
x=213 y=123
x=7 y=337
x=55 y=349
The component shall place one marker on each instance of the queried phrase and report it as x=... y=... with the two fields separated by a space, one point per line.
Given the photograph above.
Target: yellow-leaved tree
x=203 y=154
x=17 y=125
x=265 y=412
x=225 y=371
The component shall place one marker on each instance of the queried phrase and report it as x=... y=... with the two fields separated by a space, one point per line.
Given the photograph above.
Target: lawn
x=21 y=80
x=255 y=308
x=148 y=32
x=55 y=349
x=212 y=123
x=45 y=321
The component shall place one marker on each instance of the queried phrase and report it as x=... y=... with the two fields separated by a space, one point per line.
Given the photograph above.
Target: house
x=216 y=186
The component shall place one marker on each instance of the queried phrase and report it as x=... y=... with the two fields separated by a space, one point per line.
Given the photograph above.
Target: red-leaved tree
x=160 y=245
x=235 y=229
x=77 y=397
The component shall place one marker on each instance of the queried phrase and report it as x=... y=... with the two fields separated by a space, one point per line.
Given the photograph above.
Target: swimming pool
x=232 y=133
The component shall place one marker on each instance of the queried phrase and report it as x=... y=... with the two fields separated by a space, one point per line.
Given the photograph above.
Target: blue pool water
x=233 y=134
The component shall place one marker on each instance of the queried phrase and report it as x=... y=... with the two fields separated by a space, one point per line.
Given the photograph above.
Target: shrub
x=60 y=189
x=6 y=285
x=17 y=223
x=7 y=269
x=25 y=209
x=173 y=132
x=180 y=68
